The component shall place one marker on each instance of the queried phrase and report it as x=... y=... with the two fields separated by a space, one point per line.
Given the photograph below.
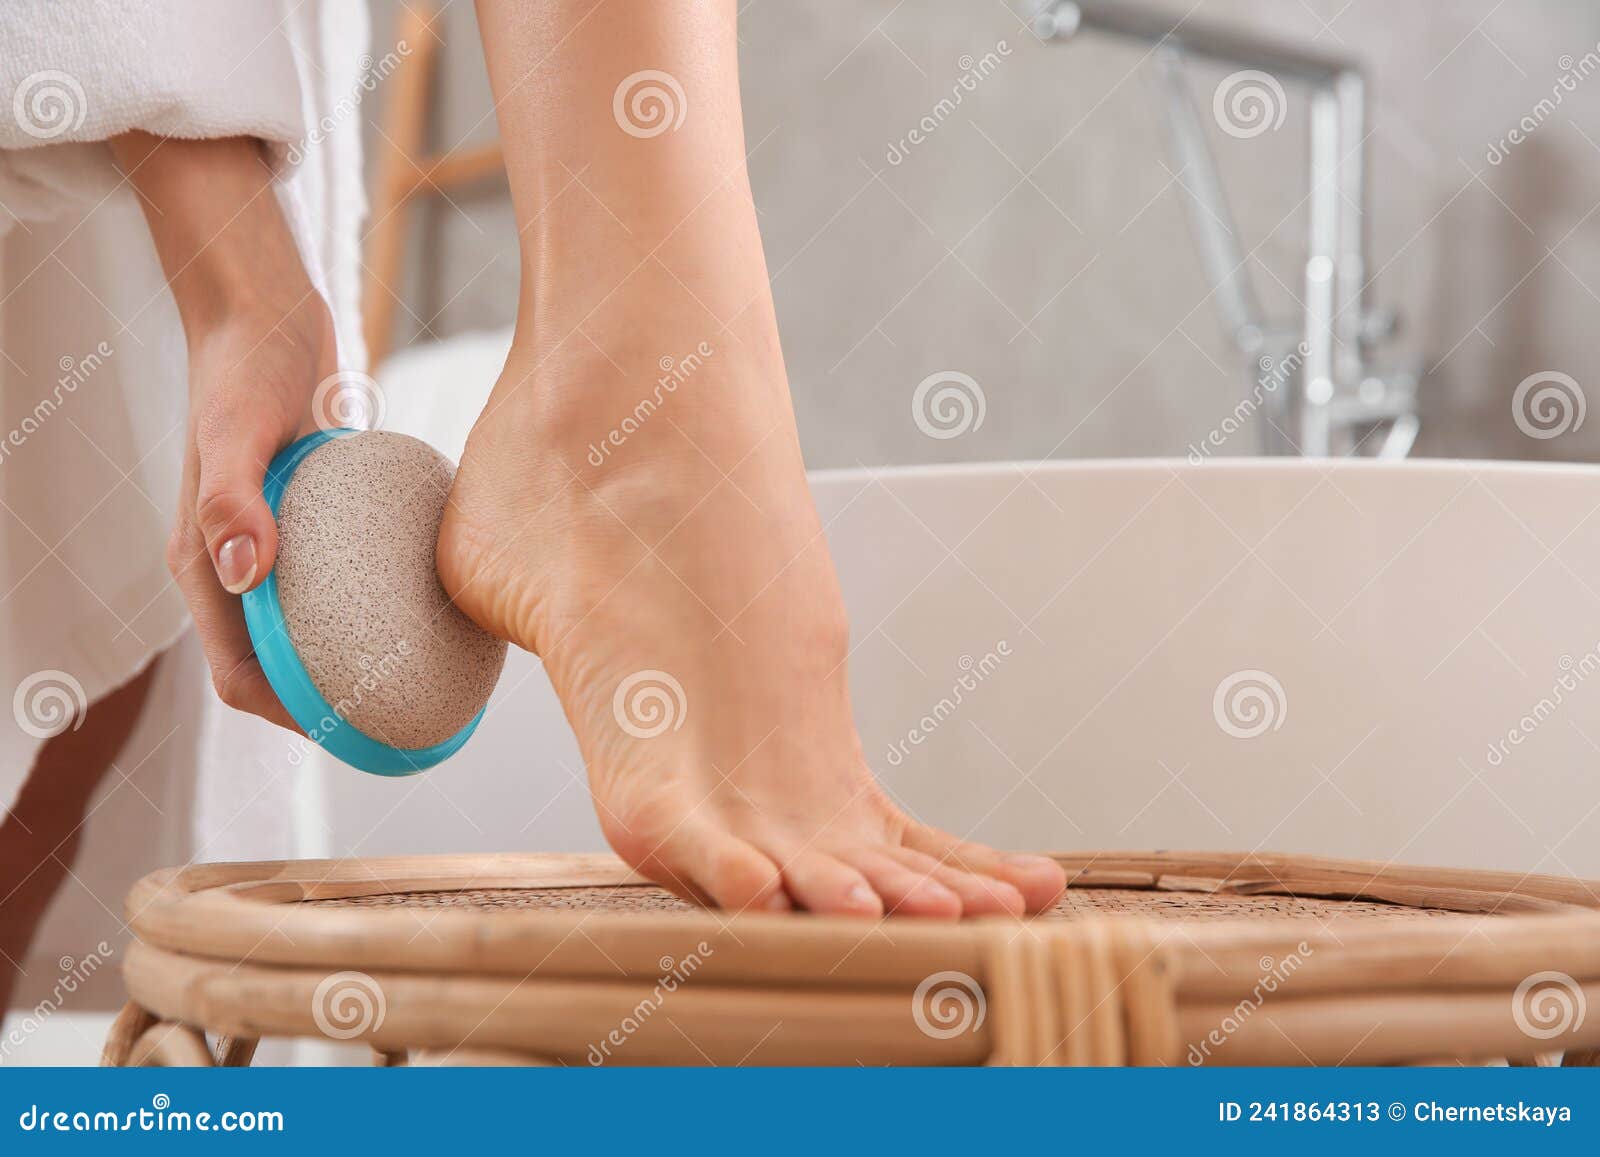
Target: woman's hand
x=251 y=383
x=260 y=340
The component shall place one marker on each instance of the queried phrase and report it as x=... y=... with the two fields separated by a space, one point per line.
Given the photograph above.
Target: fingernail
x=779 y=902
x=236 y=564
x=1021 y=860
x=862 y=896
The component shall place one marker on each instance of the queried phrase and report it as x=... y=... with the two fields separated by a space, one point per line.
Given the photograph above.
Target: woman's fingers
x=252 y=385
x=260 y=339
x=218 y=616
x=235 y=447
x=219 y=620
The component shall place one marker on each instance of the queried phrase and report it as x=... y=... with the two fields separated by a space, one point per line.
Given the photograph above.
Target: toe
x=980 y=895
x=739 y=878
x=705 y=863
x=822 y=883
x=905 y=891
x=1039 y=878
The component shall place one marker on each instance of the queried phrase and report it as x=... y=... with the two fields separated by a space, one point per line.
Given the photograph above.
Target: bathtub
x=1393 y=661
x=1396 y=661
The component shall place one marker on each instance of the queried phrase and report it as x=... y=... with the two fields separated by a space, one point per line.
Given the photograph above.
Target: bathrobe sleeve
x=74 y=74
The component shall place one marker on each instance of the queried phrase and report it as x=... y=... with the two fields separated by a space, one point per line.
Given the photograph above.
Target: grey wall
x=1037 y=239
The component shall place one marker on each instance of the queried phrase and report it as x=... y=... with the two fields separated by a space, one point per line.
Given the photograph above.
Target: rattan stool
x=1161 y=958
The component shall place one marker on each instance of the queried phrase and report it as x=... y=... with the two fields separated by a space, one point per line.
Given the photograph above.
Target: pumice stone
x=352 y=628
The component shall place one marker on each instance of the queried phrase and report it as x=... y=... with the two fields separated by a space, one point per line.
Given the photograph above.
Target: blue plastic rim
x=291 y=682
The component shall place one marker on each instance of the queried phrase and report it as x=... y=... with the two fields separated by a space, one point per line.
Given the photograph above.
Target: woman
x=692 y=547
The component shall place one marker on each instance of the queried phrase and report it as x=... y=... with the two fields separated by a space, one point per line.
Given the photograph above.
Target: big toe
x=823 y=883
x=706 y=863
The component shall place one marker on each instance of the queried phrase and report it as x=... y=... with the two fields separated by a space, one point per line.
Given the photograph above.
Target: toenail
x=779 y=902
x=862 y=896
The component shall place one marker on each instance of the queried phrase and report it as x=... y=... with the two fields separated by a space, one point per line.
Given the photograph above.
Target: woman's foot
x=632 y=505
x=675 y=581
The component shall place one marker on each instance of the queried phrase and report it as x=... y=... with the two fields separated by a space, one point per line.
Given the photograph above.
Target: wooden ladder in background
x=406 y=170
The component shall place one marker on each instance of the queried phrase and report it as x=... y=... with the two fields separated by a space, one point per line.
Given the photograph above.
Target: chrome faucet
x=1334 y=399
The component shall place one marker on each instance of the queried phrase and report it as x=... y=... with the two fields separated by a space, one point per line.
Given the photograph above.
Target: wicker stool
x=1150 y=958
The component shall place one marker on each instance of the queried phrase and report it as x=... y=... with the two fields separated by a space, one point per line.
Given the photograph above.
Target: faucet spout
x=1332 y=398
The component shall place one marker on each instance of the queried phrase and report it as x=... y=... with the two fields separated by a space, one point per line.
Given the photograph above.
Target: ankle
x=664 y=397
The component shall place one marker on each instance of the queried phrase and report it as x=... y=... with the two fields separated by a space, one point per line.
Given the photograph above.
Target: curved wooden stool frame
x=1162 y=958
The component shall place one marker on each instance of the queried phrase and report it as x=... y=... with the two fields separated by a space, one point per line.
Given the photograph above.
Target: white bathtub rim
x=1277 y=467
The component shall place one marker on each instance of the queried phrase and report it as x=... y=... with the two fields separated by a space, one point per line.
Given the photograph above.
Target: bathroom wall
x=1037 y=239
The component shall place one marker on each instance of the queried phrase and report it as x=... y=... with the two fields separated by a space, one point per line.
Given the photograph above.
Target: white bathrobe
x=93 y=395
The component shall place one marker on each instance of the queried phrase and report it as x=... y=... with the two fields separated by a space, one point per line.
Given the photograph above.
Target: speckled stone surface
x=385 y=646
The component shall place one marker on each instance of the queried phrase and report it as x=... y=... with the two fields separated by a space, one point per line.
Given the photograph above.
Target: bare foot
x=632 y=504
x=684 y=603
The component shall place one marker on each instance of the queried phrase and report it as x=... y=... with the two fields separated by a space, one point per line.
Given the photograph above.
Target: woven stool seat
x=1077 y=902
x=1149 y=958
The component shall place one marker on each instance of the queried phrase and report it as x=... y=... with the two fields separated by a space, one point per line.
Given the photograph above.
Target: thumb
x=235 y=448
